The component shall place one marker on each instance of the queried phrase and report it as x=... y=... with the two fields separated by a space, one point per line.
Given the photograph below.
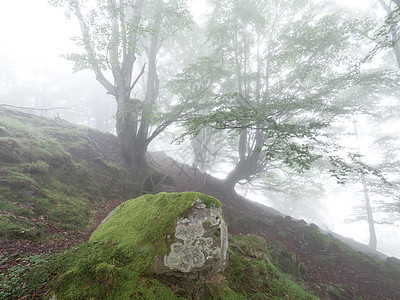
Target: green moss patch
x=255 y=277
x=106 y=270
x=117 y=261
x=56 y=172
x=286 y=261
x=12 y=227
x=142 y=225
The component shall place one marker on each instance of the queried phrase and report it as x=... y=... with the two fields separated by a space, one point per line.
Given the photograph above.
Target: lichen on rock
x=118 y=261
x=201 y=245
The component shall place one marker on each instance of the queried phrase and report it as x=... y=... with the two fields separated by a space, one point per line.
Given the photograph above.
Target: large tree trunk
x=250 y=161
x=371 y=223
x=240 y=172
x=132 y=148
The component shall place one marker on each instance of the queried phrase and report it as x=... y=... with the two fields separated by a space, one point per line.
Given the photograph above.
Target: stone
x=200 y=245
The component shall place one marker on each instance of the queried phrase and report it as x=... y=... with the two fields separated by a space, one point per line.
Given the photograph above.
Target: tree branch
x=132 y=40
x=90 y=52
x=114 y=47
x=385 y=6
x=138 y=77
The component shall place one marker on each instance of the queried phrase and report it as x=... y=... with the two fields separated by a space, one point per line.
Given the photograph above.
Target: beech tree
x=282 y=67
x=114 y=33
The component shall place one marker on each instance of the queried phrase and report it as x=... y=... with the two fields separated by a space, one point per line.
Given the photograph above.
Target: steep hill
x=54 y=173
x=59 y=180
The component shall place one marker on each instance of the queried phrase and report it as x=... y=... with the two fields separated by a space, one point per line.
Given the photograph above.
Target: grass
x=103 y=269
x=254 y=276
x=26 y=278
x=55 y=171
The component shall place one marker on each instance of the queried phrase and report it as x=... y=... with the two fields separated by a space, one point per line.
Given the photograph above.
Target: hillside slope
x=337 y=267
x=53 y=174
x=58 y=180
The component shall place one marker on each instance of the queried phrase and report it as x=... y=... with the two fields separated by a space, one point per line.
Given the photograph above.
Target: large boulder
x=200 y=247
x=179 y=239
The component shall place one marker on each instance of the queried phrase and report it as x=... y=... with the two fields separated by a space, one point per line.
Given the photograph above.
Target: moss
x=56 y=171
x=117 y=261
x=257 y=278
x=18 y=228
x=143 y=224
x=251 y=246
x=319 y=239
x=222 y=292
x=106 y=270
x=328 y=260
x=286 y=261
x=282 y=234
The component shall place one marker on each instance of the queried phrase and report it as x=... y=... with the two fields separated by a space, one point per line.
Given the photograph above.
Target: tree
x=204 y=149
x=387 y=35
x=393 y=31
x=113 y=35
x=279 y=81
x=371 y=223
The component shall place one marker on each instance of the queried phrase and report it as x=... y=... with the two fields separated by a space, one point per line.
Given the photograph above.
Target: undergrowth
x=53 y=173
x=251 y=274
x=103 y=270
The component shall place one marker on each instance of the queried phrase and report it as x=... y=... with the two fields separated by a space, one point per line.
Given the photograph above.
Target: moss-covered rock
x=120 y=255
x=119 y=260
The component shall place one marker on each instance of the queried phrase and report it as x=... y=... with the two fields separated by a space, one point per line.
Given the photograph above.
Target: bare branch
x=138 y=77
x=114 y=47
x=90 y=52
x=132 y=40
x=385 y=6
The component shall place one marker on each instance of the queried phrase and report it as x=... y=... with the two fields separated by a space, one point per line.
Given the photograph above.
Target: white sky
x=34 y=35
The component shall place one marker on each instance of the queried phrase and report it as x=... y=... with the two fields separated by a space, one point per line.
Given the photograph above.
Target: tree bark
x=250 y=163
x=132 y=148
x=395 y=36
x=397 y=2
x=152 y=87
x=371 y=223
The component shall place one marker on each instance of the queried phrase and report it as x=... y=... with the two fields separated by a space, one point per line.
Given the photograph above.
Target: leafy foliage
x=274 y=81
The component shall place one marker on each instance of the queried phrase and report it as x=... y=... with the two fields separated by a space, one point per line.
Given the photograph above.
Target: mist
x=295 y=107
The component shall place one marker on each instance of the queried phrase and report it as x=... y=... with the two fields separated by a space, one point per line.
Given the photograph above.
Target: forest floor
x=352 y=281
x=60 y=239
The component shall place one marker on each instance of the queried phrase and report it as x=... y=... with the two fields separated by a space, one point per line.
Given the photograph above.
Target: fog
x=36 y=78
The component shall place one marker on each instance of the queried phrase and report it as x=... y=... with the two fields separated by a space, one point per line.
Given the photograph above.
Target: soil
x=353 y=280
